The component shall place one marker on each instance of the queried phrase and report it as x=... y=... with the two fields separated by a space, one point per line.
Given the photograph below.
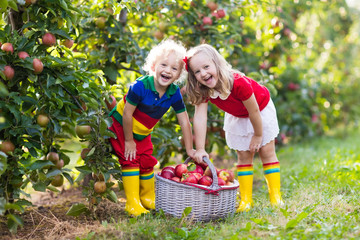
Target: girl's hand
x=255 y=144
x=199 y=154
x=130 y=150
x=191 y=153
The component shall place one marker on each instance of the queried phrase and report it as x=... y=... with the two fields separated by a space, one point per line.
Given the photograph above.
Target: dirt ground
x=47 y=219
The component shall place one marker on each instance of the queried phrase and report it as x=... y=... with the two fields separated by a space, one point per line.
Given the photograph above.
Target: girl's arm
x=130 y=145
x=255 y=119
x=200 y=126
x=184 y=122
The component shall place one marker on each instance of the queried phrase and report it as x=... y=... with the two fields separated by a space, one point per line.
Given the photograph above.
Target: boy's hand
x=130 y=150
x=199 y=154
x=255 y=144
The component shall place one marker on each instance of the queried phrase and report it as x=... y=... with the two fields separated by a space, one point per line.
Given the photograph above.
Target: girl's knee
x=245 y=157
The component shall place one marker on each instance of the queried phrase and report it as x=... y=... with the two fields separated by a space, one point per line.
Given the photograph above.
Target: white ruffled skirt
x=239 y=131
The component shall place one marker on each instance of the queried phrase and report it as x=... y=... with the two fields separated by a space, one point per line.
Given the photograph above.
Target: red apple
x=198 y=169
x=49 y=39
x=38 y=66
x=169 y=168
x=7 y=147
x=176 y=179
x=189 y=178
x=224 y=175
x=207 y=21
x=7 y=47
x=212 y=6
x=221 y=13
x=205 y=180
x=221 y=182
x=197 y=175
x=203 y=165
x=23 y=55
x=9 y=72
x=111 y=105
x=68 y=43
x=167 y=174
x=231 y=175
x=180 y=169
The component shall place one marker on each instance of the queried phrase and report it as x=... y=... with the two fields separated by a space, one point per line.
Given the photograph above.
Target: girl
x=250 y=122
x=135 y=116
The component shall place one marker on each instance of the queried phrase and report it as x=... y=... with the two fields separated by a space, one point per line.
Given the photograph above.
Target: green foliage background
x=305 y=52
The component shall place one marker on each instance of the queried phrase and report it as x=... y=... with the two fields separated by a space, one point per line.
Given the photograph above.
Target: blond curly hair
x=163 y=49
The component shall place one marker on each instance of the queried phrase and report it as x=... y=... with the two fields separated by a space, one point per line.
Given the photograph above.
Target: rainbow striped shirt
x=149 y=107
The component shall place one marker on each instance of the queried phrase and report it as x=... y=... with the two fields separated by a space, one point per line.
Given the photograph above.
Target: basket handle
x=215 y=183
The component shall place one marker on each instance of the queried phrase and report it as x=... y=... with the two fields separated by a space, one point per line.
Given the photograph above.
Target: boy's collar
x=171 y=90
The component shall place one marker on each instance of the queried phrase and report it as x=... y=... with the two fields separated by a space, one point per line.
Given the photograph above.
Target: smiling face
x=167 y=70
x=204 y=70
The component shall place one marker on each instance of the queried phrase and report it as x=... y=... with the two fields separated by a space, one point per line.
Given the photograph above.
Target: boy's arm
x=130 y=145
x=200 y=126
x=256 y=121
x=184 y=122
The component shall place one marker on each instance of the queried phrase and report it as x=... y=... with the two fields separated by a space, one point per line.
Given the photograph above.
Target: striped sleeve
x=178 y=102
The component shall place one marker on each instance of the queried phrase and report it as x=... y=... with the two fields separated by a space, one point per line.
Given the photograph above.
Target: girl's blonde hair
x=197 y=92
x=163 y=49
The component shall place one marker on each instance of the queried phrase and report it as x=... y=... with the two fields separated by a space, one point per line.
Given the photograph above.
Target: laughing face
x=167 y=70
x=204 y=70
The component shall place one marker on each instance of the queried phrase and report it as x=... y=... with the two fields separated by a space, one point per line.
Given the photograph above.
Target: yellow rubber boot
x=272 y=177
x=131 y=182
x=245 y=178
x=147 y=190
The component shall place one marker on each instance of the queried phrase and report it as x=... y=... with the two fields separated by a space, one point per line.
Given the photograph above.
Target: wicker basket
x=207 y=203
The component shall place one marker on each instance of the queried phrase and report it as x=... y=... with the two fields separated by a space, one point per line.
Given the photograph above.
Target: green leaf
x=186 y=211
x=53 y=173
x=13 y=222
x=53 y=189
x=68 y=177
x=293 y=222
x=13 y=5
x=77 y=209
x=39 y=186
x=3 y=5
x=40 y=164
x=84 y=169
x=3 y=162
x=112 y=196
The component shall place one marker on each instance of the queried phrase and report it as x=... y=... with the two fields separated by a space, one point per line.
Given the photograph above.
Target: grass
x=320 y=184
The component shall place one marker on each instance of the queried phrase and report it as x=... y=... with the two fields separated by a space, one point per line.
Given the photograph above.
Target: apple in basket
x=205 y=180
x=197 y=175
x=232 y=175
x=224 y=175
x=207 y=172
x=176 y=179
x=167 y=173
x=221 y=182
x=198 y=169
x=169 y=168
x=203 y=165
x=189 y=178
x=180 y=169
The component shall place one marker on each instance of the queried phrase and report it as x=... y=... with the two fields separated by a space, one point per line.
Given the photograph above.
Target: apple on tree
x=49 y=39
x=7 y=147
x=82 y=130
x=42 y=120
x=38 y=66
x=100 y=187
x=53 y=157
x=7 y=47
x=9 y=72
x=23 y=55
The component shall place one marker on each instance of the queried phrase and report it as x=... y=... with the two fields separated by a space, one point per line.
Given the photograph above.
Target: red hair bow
x=186 y=63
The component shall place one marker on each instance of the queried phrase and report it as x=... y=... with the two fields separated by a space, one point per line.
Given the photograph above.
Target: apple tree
x=46 y=91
